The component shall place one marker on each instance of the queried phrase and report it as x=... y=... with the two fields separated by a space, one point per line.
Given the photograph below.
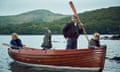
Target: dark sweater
x=71 y=31
x=93 y=43
x=16 y=43
x=47 y=41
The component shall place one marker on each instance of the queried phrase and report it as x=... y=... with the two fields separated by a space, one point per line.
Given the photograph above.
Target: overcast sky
x=13 y=7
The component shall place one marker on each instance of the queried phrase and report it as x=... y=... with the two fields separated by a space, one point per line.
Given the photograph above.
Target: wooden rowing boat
x=82 y=58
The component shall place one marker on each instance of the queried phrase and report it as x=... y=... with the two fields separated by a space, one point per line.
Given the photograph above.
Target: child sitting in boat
x=94 y=42
x=16 y=43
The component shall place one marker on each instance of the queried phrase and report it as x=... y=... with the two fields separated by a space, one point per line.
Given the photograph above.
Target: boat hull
x=82 y=58
x=62 y=68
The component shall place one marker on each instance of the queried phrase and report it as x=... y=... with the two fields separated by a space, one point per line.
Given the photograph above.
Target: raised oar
x=81 y=24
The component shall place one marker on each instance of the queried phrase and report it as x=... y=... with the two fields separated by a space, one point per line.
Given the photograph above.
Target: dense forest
x=104 y=21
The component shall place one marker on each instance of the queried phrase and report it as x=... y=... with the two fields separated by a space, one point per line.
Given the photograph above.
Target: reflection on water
x=16 y=67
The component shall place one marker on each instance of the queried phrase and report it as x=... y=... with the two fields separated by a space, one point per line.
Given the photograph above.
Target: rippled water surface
x=58 y=41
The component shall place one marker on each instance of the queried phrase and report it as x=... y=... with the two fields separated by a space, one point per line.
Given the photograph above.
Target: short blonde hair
x=15 y=35
x=96 y=34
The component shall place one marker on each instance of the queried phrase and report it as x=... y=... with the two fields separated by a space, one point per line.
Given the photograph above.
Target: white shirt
x=75 y=24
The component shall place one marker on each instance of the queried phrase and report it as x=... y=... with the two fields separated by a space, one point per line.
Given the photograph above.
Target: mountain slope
x=105 y=20
x=36 y=16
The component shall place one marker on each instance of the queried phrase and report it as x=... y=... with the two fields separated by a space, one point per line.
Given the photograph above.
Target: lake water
x=58 y=41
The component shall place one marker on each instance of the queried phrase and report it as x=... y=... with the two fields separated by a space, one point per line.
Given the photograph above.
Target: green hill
x=36 y=16
x=104 y=21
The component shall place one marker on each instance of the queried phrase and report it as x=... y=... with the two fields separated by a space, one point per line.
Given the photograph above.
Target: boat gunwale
x=45 y=52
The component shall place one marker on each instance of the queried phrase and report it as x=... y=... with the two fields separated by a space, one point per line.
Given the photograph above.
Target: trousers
x=71 y=43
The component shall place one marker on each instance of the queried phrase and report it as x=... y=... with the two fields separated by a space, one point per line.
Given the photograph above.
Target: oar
x=9 y=45
x=81 y=24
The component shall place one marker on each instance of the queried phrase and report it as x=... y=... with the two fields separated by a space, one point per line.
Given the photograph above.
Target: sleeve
x=65 y=29
x=13 y=44
x=91 y=44
x=80 y=30
x=20 y=43
x=98 y=44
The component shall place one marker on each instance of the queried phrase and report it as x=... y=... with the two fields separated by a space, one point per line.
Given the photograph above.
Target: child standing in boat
x=47 y=40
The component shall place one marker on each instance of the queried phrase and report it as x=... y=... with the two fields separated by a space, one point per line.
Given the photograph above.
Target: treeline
x=104 y=21
x=29 y=28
